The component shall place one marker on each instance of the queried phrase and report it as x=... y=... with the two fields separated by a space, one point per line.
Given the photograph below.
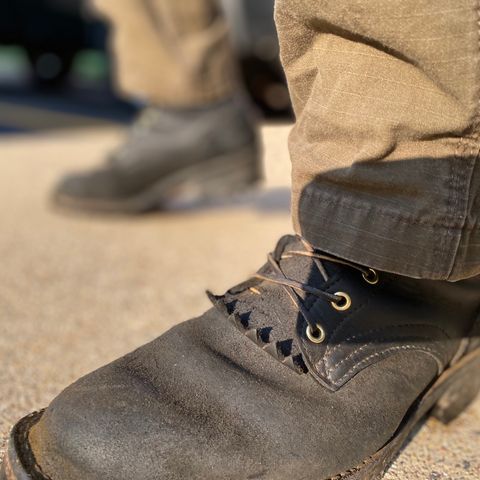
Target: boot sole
x=217 y=177
x=447 y=398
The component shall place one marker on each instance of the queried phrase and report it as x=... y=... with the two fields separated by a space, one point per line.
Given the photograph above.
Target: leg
x=171 y=53
x=196 y=139
x=385 y=147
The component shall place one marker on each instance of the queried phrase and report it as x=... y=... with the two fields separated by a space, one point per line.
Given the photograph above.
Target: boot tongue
x=297 y=267
x=265 y=310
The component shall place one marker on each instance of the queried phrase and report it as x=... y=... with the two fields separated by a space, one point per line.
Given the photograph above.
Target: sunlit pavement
x=77 y=291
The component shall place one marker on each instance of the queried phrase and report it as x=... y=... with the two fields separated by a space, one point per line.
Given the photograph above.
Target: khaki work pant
x=173 y=53
x=387 y=100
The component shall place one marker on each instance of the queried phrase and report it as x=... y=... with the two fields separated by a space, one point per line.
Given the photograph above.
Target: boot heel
x=460 y=393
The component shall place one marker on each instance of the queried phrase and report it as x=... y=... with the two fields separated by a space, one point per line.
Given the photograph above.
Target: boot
x=316 y=368
x=170 y=156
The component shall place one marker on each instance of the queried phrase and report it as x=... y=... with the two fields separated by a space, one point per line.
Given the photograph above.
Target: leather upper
x=205 y=402
x=396 y=314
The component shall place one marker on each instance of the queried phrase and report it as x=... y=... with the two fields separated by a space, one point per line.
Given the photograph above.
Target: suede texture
x=204 y=401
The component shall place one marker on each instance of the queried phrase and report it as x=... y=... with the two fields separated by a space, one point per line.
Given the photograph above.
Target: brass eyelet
x=344 y=304
x=319 y=337
x=371 y=277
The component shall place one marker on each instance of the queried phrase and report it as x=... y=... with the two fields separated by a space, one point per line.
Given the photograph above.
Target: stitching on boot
x=327 y=357
x=360 y=349
x=330 y=351
x=386 y=352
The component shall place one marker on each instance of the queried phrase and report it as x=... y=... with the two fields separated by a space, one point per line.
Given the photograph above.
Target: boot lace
x=340 y=301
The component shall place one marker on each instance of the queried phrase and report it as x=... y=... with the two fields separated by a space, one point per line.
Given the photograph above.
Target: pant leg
x=173 y=53
x=384 y=150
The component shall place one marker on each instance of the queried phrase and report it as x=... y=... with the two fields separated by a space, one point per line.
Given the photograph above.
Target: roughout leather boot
x=170 y=156
x=314 y=369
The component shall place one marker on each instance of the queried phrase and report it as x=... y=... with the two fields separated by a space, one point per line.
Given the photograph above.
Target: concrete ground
x=76 y=292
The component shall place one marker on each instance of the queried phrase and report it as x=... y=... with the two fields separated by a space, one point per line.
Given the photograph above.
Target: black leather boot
x=170 y=156
x=314 y=369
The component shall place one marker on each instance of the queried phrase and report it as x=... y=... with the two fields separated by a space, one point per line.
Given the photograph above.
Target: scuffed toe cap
x=100 y=427
x=203 y=402
x=165 y=412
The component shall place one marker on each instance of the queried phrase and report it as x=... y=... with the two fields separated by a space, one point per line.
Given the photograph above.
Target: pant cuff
x=380 y=238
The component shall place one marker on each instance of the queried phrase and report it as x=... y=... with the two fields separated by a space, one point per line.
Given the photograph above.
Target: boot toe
x=102 y=426
x=203 y=402
x=95 y=185
x=72 y=185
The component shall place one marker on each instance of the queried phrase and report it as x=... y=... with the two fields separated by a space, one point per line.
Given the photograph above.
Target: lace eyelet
x=344 y=304
x=318 y=337
x=371 y=277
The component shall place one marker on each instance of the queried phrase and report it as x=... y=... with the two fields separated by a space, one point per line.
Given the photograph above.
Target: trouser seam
x=470 y=157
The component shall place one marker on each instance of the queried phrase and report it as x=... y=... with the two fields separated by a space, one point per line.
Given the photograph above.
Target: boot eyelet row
x=319 y=335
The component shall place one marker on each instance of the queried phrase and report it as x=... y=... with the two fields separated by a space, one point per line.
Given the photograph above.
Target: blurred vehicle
x=53 y=32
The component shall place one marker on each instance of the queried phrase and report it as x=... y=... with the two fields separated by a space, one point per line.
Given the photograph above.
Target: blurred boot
x=170 y=155
x=197 y=141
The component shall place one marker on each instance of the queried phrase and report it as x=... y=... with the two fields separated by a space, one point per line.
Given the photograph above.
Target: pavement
x=77 y=291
